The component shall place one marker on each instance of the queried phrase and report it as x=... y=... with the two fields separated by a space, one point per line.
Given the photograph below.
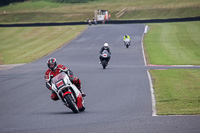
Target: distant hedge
x=70 y=1
x=7 y=2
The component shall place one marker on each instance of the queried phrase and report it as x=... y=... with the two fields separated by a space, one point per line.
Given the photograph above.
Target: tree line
x=7 y=2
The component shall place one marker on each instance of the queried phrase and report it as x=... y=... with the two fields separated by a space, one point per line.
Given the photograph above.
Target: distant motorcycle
x=105 y=58
x=67 y=92
x=127 y=42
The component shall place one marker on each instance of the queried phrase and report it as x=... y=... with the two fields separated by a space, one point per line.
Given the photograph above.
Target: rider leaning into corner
x=105 y=47
x=54 y=70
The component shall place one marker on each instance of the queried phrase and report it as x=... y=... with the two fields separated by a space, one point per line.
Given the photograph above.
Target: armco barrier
x=154 y=20
x=106 y=22
x=43 y=24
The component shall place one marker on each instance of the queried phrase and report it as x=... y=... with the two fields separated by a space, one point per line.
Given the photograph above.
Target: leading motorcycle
x=67 y=92
x=127 y=42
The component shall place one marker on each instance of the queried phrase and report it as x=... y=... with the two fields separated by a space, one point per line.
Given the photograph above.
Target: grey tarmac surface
x=118 y=98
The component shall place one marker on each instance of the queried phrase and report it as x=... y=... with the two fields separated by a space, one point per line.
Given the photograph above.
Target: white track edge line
x=153 y=100
x=145 y=31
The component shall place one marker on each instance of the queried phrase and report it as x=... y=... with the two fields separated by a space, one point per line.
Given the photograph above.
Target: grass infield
x=177 y=91
x=173 y=43
x=25 y=44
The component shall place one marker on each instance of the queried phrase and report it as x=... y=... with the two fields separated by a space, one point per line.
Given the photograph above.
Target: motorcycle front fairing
x=59 y=83
x=62 y=85
x=127 y=41
x=105 y=54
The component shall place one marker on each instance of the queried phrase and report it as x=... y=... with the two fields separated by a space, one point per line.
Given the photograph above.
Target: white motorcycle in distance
x=104 y=58
x=127 y=42
x=67 y=92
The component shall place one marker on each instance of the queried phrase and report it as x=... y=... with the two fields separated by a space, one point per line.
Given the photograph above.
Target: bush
x=7 y=2
x=70 y=1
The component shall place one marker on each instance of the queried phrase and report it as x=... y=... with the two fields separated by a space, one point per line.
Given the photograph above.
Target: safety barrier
x=106 y=22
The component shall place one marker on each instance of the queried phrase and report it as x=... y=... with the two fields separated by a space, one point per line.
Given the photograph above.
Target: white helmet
x=105 y=44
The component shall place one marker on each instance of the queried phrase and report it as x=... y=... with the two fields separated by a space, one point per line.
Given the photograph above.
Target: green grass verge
x=177 y=91
x=161 y=13
x=25 y=44
x=173 y=43
x=41 y=11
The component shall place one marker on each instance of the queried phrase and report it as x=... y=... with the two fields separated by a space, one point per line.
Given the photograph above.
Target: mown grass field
x=41 y=11
x=173 y=43
x=25 y=44
x=177 y=91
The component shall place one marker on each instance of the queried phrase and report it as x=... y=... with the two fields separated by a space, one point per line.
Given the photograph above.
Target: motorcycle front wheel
x=71 y=103
x=104 y=64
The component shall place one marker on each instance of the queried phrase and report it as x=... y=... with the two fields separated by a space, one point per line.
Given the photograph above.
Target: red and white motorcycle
x=67 y=92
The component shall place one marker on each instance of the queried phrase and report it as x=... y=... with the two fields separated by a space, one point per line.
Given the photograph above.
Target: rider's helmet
x=51 y=63
x=105 y=45
x=126 y=35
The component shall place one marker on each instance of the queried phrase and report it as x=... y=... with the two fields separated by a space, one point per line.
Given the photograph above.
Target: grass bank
x=25 y=44
x=177 y=91
x=173 y=43
x=41 y=11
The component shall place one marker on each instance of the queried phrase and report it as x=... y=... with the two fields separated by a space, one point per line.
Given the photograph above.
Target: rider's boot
x=77 y=82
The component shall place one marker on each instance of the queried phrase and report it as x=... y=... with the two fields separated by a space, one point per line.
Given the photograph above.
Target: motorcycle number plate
x=60 y=84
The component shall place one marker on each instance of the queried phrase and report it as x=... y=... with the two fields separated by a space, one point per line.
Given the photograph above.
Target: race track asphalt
x=118 y=98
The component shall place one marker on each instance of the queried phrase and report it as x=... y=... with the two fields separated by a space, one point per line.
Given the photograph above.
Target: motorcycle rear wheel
x=71 y=103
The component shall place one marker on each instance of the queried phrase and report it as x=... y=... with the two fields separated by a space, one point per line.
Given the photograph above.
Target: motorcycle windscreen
x=105 y=52
x=58 y=77
x=58 y=80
